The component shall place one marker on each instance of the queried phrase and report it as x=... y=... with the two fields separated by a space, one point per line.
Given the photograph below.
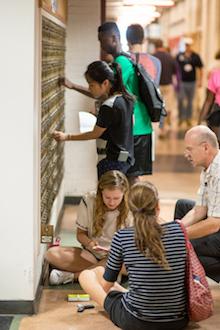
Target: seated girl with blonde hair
x=99 y=216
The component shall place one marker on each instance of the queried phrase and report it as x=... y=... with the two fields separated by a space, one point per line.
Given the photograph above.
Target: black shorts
x=126 y=321
x=109 y=165
x=142 y=156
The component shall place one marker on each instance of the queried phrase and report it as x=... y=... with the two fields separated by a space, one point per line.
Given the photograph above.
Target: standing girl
x=114 y=121
x=154 y=254
x=99 y=216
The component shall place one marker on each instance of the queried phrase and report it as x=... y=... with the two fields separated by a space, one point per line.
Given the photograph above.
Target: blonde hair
x=143 y=203
x=110 y=180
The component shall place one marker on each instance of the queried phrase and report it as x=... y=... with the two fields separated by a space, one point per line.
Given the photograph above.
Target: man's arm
x=81 y=89
x=198 y=213
x=204 y=228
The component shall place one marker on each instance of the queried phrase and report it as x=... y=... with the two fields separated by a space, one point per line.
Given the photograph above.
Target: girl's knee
x=99 y=270
x=84 y=276
x=51 y=253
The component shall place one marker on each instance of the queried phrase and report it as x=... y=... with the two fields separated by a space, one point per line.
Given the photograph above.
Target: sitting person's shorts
x=142 y=156
x=106 y=165
x=126 y=321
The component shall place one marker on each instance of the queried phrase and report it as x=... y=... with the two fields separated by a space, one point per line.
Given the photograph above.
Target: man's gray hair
x=204 y=134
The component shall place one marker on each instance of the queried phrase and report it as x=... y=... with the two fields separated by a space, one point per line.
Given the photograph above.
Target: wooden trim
x=60 y=12
x=52 y=18
x=103 y=11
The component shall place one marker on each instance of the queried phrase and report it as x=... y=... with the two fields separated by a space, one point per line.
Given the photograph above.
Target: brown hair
x=143 y=203
x=110 y=180
x=135 y=34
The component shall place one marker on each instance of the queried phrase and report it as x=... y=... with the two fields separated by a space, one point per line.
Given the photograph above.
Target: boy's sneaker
x=60 y=277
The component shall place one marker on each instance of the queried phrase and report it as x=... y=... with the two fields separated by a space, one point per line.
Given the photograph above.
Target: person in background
x=168 y=81
x=99 y=216
x=191 y=71
x=202 y=219
x=211 y=107
x=135 y=39
x=154 y=254
x=114 y=120
x=109 y=37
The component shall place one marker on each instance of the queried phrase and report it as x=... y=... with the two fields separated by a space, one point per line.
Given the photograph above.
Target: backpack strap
x=137 y=56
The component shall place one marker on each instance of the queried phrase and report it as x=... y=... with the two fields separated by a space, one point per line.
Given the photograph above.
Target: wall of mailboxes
x=52 y=113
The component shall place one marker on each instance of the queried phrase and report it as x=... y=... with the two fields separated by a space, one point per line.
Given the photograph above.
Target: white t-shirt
x=209 y=191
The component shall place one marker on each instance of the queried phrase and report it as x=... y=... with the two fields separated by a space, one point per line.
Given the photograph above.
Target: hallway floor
x=174 y=179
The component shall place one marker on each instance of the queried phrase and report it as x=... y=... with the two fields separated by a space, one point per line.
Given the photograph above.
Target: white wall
x=82 y=48
x=21 y=253
x=18 y=225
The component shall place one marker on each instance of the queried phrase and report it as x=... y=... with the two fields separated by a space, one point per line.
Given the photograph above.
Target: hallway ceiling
x=143 y=11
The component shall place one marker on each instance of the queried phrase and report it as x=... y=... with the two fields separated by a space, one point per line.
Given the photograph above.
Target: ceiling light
x=160 y=3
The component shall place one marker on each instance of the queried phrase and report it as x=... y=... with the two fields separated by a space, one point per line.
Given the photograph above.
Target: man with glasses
x=202 y=218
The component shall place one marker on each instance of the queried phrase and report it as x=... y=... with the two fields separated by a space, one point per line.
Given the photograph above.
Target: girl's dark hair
x=100 y=71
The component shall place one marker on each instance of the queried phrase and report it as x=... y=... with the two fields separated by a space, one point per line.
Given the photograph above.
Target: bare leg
x=92 y=282
x=100 y=263
x=69 y=259
x=72 y=260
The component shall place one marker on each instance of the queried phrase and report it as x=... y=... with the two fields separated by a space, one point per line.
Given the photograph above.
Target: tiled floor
x=174 y=179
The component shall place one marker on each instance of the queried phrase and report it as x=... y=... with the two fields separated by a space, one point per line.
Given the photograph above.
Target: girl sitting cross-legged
x=99 y=216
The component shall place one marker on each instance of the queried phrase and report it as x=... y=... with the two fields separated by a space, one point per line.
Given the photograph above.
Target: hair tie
x=143 y=210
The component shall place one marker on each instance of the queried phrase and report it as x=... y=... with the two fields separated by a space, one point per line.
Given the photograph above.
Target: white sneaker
x=60 y=277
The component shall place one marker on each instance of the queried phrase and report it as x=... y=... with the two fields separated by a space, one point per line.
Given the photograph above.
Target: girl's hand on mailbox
x=59 y=136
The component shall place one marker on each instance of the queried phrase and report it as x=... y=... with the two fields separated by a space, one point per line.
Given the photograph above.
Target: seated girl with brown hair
x=99 y=216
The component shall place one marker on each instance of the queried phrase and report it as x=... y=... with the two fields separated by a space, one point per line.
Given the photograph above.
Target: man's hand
x=203 y=228
x=59 y=136
x=197 y=213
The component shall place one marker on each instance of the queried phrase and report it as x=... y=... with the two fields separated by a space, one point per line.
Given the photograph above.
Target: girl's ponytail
x=117 y=85
x=100 y=70
x=143 y=203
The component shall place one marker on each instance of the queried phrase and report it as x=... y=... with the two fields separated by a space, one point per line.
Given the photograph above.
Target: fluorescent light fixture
x=138 y=14
x=159 y=3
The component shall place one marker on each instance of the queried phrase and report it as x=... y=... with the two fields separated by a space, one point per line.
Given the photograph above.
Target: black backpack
x=149 y=92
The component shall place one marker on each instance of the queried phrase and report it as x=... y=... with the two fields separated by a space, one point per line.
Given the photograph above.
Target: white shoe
x=60 y=277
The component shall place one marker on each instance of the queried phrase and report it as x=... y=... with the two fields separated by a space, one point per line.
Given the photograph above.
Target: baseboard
x=72 y=200
x=21 y=306
x=32 y=306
